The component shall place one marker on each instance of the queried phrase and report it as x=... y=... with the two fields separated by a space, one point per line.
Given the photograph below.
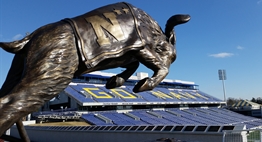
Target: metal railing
x=146 y=128
x=242 y=135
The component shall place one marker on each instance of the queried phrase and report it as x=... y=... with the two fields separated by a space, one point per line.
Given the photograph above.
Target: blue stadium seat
x=146 y=95
x=91 y=118
x=191 y=116
x=75 y=94
x=211 y=98
x=99 y=94
x=121 y=119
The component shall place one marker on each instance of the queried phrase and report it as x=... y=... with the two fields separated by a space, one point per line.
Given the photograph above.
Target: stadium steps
x=148 y=118
x=122 y=119
x=175 y=118
x=154 y=114
x=92 y=119
x=107 y=120
x=174 y=113
x=132 y=116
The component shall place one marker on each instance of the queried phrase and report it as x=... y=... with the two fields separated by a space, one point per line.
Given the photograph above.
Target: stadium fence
x=242 y=135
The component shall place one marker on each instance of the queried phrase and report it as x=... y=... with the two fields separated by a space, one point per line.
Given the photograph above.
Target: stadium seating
x=91 y=118
x=148 y=97
x=78 y=96
x=191 y=116
x=88 y=93
x=122 y=119
x=153 y=120
x=171 y=116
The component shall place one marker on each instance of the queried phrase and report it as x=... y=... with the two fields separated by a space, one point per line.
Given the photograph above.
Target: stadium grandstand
x=174 y=109
x=247 y=108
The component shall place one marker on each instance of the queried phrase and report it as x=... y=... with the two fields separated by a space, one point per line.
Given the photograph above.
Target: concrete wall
x=38 y=135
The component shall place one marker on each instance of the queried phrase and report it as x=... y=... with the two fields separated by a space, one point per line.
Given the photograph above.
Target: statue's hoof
x=114 y=81
x=143 y=85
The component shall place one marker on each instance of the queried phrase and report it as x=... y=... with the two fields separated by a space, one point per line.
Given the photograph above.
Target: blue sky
x=221 y=34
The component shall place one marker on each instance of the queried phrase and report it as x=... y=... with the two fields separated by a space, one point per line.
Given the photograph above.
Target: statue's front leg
x=119 y=80
x=153 y=62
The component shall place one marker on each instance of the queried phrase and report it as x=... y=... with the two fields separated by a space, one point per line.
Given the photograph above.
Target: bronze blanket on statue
x=106 y=32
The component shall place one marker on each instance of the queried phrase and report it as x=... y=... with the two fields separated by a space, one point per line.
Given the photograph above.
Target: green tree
x=231 y=101
x=253 y=100
x=259 y=100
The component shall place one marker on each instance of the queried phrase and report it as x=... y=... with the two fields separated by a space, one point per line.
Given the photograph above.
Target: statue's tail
x=15 y=46
x=172 y=22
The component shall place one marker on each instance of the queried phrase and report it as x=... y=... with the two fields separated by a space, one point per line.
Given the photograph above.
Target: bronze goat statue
x=116 y=35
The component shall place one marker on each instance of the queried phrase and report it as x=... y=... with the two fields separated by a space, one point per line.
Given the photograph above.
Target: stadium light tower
x=222 y=76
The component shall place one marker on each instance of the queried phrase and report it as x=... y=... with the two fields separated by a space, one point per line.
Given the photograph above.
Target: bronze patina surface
x=115 y=29
x=116 y=35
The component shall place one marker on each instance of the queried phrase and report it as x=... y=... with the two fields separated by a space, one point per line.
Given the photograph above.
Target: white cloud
x=240 y=47
x=17 y=37
x=221 y=55
x=258 y=2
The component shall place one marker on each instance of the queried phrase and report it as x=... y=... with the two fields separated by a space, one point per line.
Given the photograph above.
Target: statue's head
x=171 y=23
x=168 y=53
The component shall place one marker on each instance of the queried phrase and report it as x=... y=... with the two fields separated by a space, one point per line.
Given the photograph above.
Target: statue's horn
x=175 y=20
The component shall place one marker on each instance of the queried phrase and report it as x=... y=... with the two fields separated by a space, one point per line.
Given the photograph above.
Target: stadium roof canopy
x=245 y=103
x=138 y=76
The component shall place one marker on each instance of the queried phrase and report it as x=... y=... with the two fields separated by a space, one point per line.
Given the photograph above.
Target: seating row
x=191 y=116
x=87 y=93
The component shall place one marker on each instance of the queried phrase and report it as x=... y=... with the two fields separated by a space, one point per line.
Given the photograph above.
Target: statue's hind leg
x=46 y=75
x=14 y=75
x=119 y=79
x=13 y=78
